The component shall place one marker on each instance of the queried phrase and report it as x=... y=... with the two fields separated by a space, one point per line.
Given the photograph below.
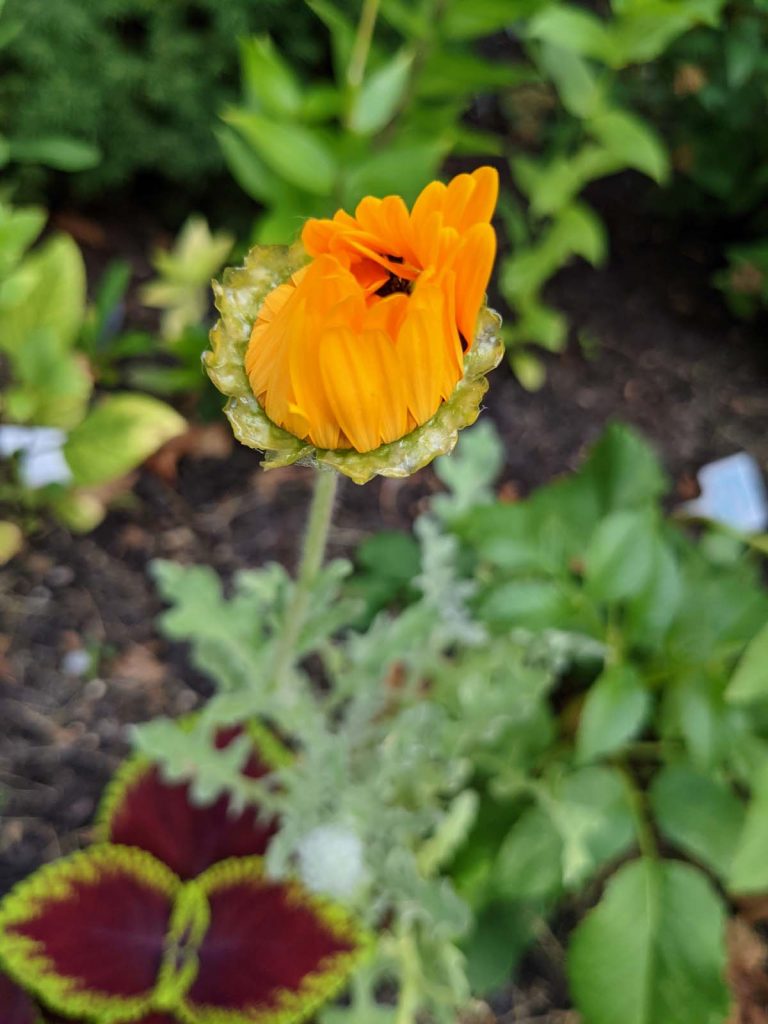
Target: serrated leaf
x=119 y=434
x=614 y=712
x=653 y=950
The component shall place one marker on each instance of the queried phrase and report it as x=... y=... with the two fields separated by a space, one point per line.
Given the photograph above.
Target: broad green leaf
x=246 y=166
x=50 y=387
x=118 y=435
x=632 y=142
x=502 y=931
x=699 y=814
x=653 y=950
x=54 y=299
x=380 y=95
x=591 y=810
x=750 y=680
x=268 y=80
x=571 y=29
x=577 y=84
x=620 y=556
x=749 y=867
x=411 y=164
x=529 y=862
x=296 y=153
x=18 y=230
x=624 y=469
x=532 y=603
x=61 y=153
x=614 y=712
x=463 y=20
x=651 y=613
x=11 y=541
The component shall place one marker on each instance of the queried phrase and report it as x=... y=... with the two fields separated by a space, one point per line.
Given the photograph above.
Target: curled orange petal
x=365 y=343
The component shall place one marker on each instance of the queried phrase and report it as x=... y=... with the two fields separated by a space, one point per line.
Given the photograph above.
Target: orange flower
x=363 y=344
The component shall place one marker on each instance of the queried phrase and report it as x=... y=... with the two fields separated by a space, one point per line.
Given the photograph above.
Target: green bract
x=239 y=296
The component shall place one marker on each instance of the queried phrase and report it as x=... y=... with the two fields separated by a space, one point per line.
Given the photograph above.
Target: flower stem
x=362 y=44
x=315 y=540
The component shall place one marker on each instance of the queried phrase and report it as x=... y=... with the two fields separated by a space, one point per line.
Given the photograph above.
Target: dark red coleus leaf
x=16 y=1006
x=272 y=951
x=143 y=810
x=87 y=934
x=111 y=934
x=48 y=1017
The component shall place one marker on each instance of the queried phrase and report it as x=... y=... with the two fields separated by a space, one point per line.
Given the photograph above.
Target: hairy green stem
x=313 y=553
x=362 y=44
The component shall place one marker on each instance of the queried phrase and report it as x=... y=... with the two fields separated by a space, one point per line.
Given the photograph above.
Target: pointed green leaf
x=653 y=950
x=750 y=680
x=118 y=435
x=614 y=712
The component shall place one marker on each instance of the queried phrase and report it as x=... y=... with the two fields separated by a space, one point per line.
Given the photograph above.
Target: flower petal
x=423 y=351
x=472 y=265
x=272 y=952
x=353 y=381
x=87 y=933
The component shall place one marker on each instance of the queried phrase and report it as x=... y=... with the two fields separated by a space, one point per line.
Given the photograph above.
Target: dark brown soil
x=651 y=344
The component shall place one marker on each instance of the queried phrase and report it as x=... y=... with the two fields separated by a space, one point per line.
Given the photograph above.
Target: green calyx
x=239 y=296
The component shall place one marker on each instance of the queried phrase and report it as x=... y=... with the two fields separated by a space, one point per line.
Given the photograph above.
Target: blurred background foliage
x=258 y=113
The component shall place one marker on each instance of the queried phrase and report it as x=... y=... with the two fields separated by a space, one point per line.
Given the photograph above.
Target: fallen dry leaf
x=138 y=664
x=200 y=441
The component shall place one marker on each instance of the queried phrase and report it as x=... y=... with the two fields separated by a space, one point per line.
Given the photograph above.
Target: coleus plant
x=171 y=919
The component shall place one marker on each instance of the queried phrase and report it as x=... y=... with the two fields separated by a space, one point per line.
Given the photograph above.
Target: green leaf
x=246 y=166
x=50 y=387
x=464 y=20
x=750 y=680
x=620 y=556
x=614 y=712
x=381 y=94
x=268 y=80
x=529 y=370
x=11 y=541
x=531 y=603
x=651 y=613
x=591 y=811
x=632 y=142
x=292 y=151
x=698 y=814
x=653 y=950
x=501 y=934
x=578 y=87
x=118 y=435
x=342 y=34
x=18 y=230
x=529 y=862
x=624 y=469
x=54 y=299
x=749 y=867
x=63 y=154
x=411 y=164
x=571 y=29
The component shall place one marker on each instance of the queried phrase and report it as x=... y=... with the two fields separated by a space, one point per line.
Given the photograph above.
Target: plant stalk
x=313 y=553
x=362 y=44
